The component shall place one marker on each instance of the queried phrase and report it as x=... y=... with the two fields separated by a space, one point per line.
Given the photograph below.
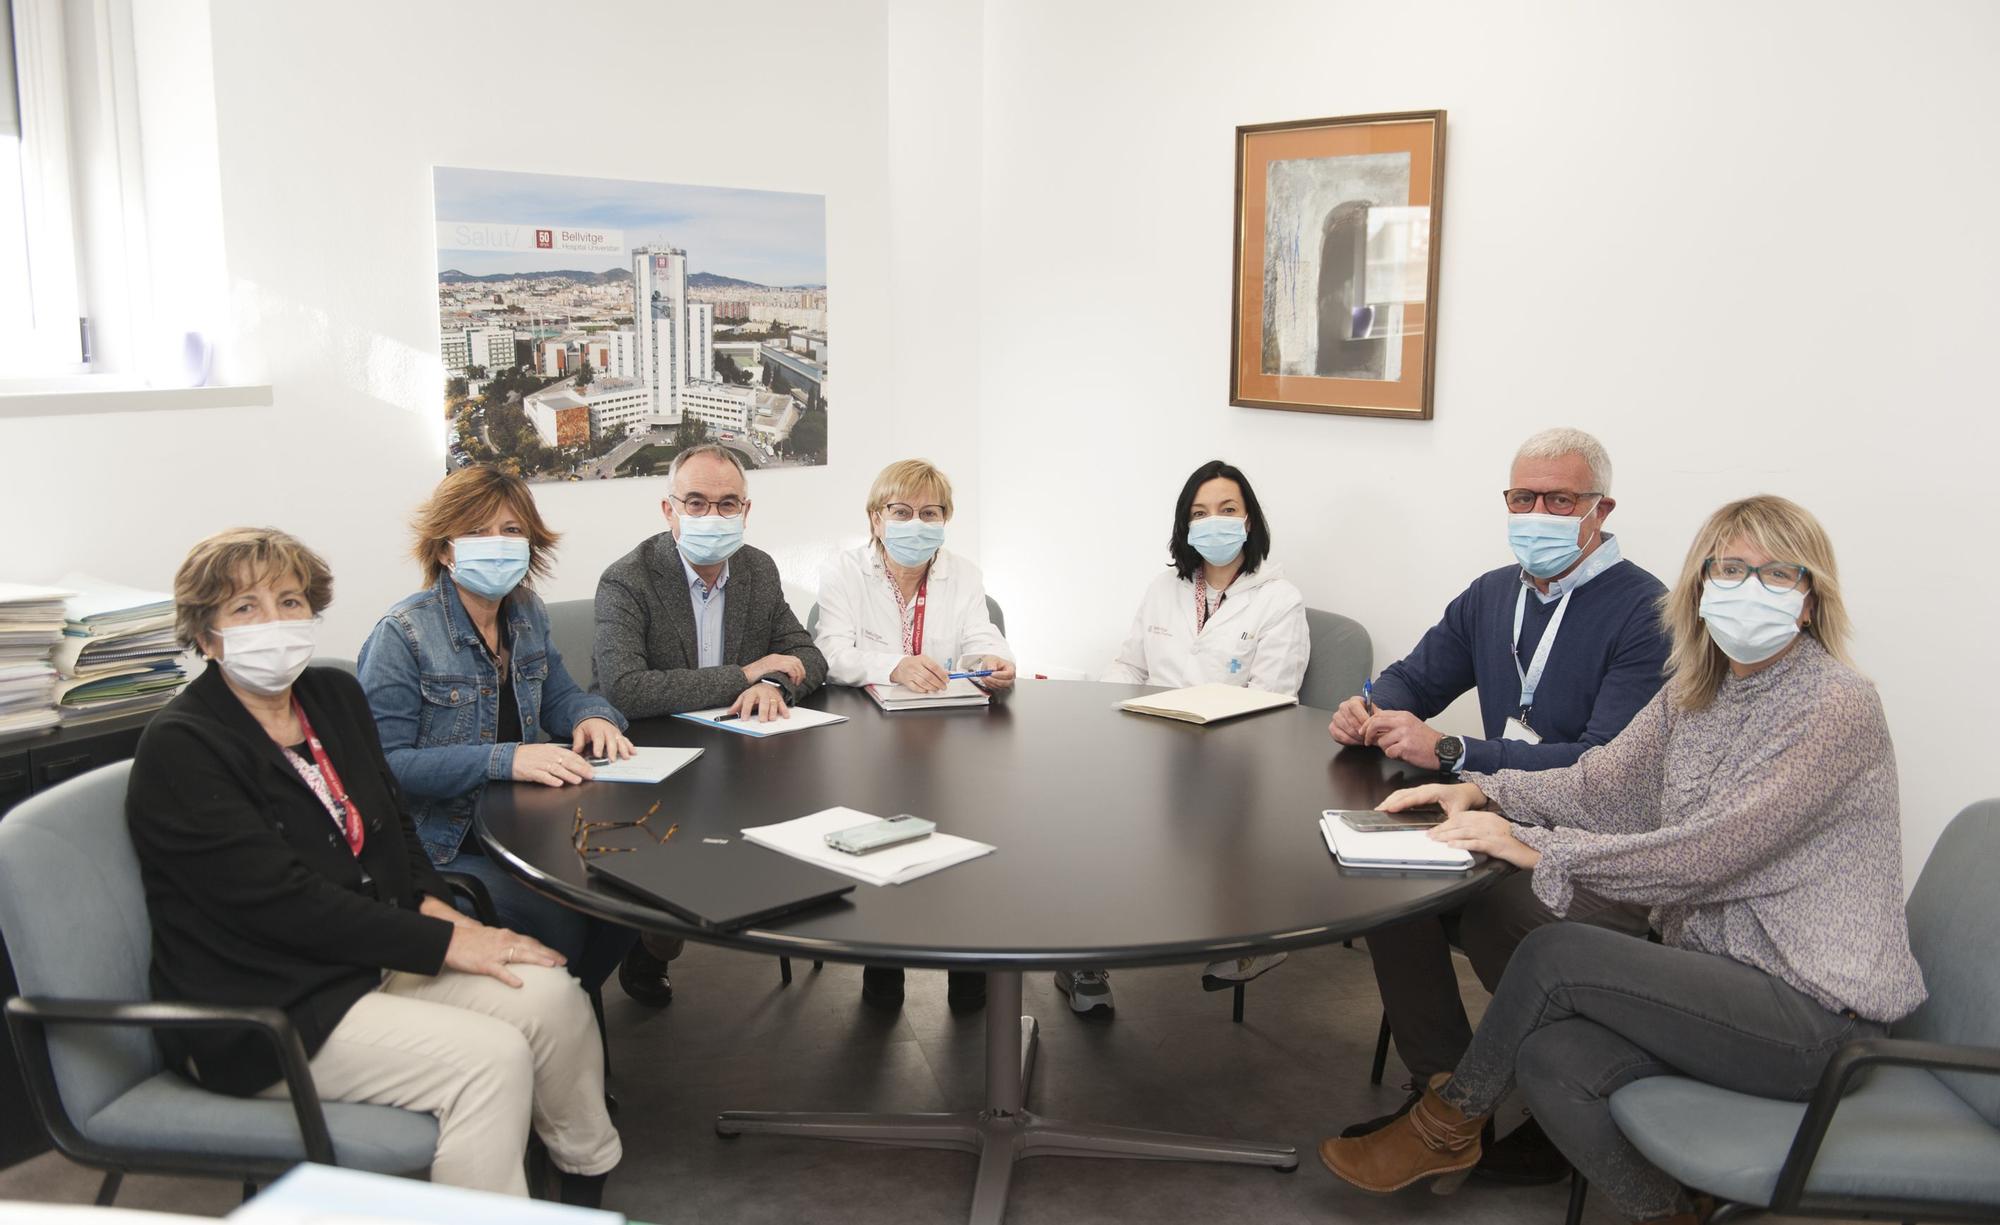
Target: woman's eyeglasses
x=580 y=832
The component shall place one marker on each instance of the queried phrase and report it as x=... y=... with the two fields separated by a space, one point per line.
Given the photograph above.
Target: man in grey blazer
x=693 y=618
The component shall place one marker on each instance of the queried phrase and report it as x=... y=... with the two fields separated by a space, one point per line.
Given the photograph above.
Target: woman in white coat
x=1223 y=614
x=903 y=610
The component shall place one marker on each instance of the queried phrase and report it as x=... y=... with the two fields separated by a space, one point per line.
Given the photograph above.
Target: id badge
x=1517 y=730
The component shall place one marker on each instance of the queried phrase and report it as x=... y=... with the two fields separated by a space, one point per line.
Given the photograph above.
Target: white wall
x=1749 y=246
x=330 y=118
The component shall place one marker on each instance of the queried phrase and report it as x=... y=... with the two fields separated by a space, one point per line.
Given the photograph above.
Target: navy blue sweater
x=1608 y=661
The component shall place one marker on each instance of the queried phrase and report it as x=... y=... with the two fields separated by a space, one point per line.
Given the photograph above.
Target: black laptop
x=724 y=886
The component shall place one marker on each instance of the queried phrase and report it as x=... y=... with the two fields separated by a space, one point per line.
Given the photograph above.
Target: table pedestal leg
x=1005 y=1131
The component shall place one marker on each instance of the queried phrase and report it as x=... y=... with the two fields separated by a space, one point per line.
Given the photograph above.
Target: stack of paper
x=118 y=652
x=805 y=839
x=1207 y=703
x=31 y=627
x=955 y=695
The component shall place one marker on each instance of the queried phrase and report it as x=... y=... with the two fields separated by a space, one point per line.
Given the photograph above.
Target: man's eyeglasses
x=903 y=512
x=1555 y=501
x=696 y=505
x=1778 y=577
x=580 y=832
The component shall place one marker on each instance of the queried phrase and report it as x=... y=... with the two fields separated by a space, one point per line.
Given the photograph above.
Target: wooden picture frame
x=1335 y=277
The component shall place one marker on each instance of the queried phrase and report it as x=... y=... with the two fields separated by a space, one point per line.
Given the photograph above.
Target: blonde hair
x=906 y=478
x=1785 y=531
x=229 y=561
x=466 y=501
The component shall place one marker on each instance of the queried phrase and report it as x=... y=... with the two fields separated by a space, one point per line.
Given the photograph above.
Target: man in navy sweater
x=1564 y=648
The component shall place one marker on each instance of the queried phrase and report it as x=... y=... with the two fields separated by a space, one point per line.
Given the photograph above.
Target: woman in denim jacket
x=466 y=688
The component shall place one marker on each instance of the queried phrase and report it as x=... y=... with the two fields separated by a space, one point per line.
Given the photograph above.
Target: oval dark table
x=1123 y=840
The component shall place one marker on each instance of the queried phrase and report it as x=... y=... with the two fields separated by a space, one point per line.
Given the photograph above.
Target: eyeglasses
x=903 y=512
x=1555 y=501
x=1778 y=577
x=697 y=505
x=581 y=830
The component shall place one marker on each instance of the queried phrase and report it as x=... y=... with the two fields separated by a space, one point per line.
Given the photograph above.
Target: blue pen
x=1368 y=695
x=967 y=676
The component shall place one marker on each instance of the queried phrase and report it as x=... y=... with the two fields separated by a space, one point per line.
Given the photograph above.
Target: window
x=39 y=329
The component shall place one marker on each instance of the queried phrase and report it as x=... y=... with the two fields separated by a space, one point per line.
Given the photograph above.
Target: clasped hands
x=554 y=765
x=1467 y=826
x=767 y=702
x=1398 y=733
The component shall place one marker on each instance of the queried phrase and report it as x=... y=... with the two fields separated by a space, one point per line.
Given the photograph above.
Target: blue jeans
x=594 y=947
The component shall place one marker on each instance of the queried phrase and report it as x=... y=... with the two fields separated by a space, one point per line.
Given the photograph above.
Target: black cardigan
x=254 y=896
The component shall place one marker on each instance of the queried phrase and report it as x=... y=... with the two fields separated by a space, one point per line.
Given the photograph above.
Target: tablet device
x=1425 y=816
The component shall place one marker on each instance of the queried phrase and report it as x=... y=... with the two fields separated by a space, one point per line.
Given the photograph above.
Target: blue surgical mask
x=1750 y=622
x=707 y=539
x=1545 y=545
x=489 y=566
x=912 y=543
x=1218 y=538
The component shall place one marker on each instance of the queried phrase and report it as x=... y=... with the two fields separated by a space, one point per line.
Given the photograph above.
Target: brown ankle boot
x=1704 y=1208
x=1435 y=1140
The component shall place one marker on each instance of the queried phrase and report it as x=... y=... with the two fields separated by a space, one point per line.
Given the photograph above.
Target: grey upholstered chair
x=77 y=930
x=992 y=610
x=334 y=661
x=1342 y=658
x=572 y=629
x=1900 y=1128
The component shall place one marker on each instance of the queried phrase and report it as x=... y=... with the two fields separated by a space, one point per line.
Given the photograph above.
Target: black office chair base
x=1005 y=1131
x=785 y=970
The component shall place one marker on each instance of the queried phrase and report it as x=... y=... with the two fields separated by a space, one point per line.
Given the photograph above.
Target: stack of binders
x=118 y=654
x=31 y=627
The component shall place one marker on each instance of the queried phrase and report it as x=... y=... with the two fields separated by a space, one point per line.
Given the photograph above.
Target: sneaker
x=1370 y=1126
x=1222 y=975
x=882 y=987
x=965 y=990
x=644 y=978
x=1525 y=1157
x=1089 y=991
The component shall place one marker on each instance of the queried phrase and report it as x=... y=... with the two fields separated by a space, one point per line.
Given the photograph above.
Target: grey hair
x=1562 y=440
x=707 y=448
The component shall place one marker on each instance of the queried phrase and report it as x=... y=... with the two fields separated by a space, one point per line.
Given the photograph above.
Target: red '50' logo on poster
x=545 y=239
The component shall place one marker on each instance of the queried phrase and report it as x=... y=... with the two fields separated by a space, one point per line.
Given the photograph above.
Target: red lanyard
x=913 y=643
x=345 y=814
x=1201 y=601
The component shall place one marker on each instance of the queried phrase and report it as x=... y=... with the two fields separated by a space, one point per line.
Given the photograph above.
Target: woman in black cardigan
x=280 y=869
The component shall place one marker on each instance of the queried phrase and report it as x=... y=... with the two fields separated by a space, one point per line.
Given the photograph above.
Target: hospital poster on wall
x=592 y=329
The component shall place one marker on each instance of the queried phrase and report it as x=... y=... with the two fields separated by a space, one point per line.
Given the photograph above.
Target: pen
x=726 y=718
x=966 y=676
x=1368 y=695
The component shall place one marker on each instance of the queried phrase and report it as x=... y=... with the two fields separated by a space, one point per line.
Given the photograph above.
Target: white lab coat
x=1256 y=639
x=860 y=628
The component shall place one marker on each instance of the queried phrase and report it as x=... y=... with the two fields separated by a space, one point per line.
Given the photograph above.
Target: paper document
x=805 y=839
x=1392 y=848
x=797 y=719
x=1206 y=703
x=955 y=694
x=323 y=1195
x=647 y=764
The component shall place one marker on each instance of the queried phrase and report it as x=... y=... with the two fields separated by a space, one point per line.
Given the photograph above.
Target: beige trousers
x=485 y=1058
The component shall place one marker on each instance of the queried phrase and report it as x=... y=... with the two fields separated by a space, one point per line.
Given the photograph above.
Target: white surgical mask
x=1750 y=622
x=267 y=657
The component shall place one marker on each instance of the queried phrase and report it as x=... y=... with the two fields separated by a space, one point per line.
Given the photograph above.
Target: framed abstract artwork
x=1336 y=264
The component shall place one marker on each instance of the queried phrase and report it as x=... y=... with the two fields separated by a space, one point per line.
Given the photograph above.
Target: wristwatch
x=783 y=683
x=1450 y=751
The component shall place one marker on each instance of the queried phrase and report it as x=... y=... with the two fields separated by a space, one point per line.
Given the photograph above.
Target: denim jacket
x=435 y=697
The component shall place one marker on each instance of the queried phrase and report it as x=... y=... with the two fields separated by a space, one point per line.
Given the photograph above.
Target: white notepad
x=647 y=764
x=956 y=694
x=1393 y=848
x=1206 y=703
x=805 y=838
x=797 y=719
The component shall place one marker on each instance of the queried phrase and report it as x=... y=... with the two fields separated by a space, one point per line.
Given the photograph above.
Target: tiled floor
x=734 y=1038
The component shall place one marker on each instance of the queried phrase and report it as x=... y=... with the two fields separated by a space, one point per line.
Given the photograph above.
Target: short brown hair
x=467 y=500
x=232 y=560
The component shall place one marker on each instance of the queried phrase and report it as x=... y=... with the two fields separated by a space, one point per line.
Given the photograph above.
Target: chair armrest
x=1848 y=1062
x=473 y=890
x=28 y=1019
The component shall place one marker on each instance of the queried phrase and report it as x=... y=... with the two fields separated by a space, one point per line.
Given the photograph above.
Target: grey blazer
x=644 y=650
